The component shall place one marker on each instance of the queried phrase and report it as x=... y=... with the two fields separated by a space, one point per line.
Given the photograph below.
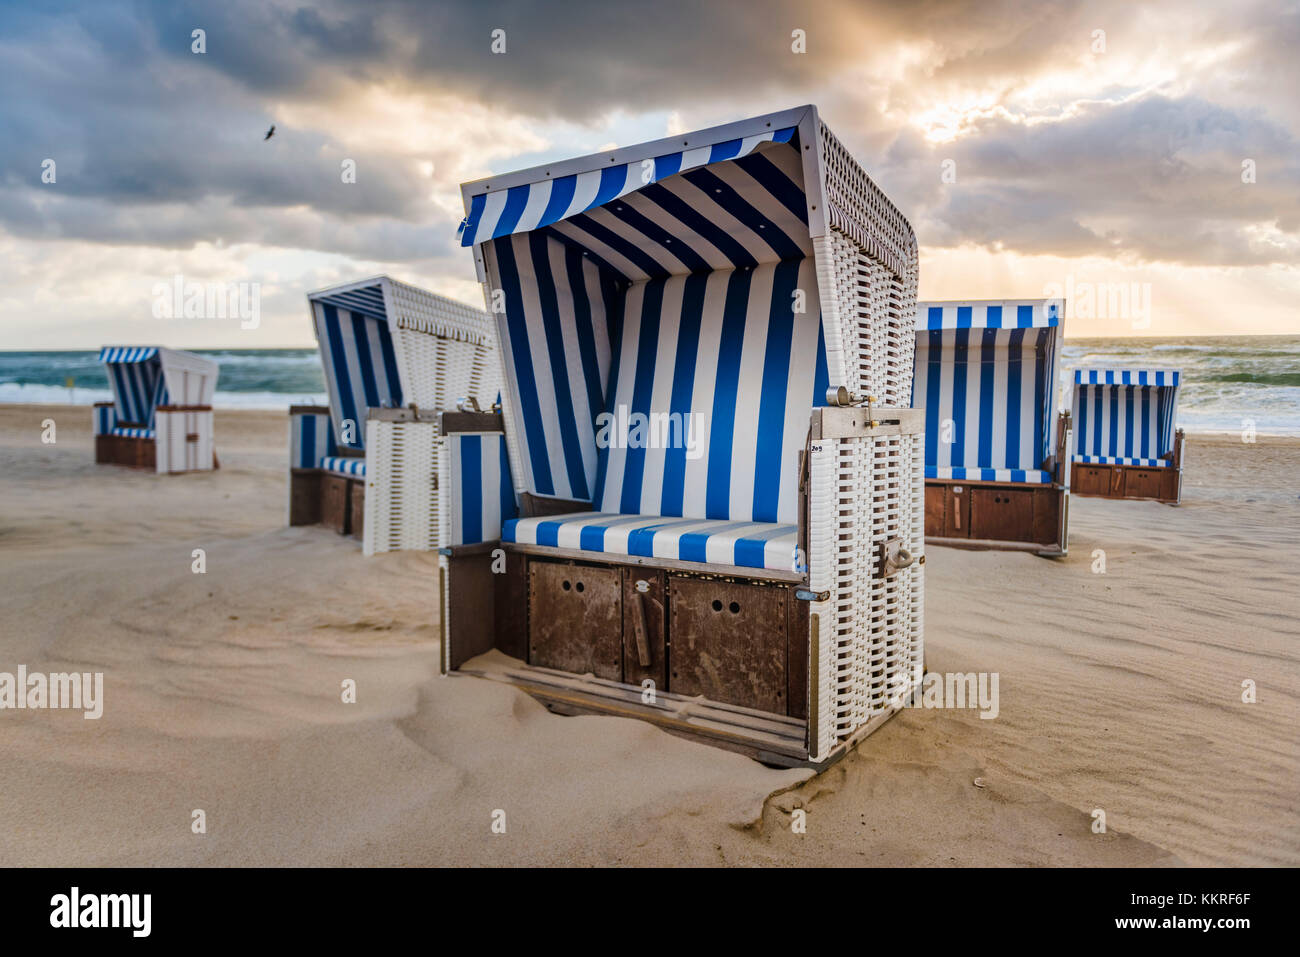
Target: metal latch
x=893 y=558
x=803 y=594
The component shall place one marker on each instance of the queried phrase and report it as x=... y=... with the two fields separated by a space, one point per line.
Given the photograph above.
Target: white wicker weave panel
x=420 y=311
x=864 y=492
x=876 y=335
x=858 y=207
x=402 y=487
x=443 y=456
x=438 y=371
x=173 y=451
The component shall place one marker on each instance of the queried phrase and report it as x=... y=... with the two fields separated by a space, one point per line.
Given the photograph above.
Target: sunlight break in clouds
x=1118 y=159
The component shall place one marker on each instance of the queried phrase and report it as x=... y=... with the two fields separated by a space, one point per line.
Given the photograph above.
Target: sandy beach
x=1119 y=691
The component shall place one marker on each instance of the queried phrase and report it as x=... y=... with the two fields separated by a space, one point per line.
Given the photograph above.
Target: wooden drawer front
x=335 y=503
x=728 y=642
x=1090 y=479
x=645 y=648
x=947 y=511
x=935 y=500
x=357 y=521
x=304 y=497
x=957 y=510
x=1146 y=483
x=1005 y=515
x=575 y=618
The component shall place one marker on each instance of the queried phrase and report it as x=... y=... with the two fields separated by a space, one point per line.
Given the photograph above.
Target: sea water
x=1228 y=382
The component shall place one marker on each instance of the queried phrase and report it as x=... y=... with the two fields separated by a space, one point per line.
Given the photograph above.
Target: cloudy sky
x=1033 y=146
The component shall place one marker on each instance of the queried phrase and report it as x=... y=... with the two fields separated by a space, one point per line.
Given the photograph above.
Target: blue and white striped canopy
x=530 y=206
x=1124 y=416
x=366 y=301
x=986 y=373
x=675 y=298
x=127 y=354
x=1040 y=314
x=135 y=375
x=1156 y=377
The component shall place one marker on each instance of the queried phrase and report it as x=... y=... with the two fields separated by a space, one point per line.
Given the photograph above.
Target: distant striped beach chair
x=395 y=357
x=706 y=343
x=1126 y=442
x=996 y=470
x=161 y=414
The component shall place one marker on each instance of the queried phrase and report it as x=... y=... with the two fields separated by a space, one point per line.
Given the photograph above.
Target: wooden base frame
x=997 y=515
x=1129 y=481
x=733 y=657
x=1164 y=484
x=318 y=497
x=704 y=652
x=136 y=453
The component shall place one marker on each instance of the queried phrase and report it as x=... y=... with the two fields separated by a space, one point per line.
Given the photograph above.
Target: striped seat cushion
x=718 y=542
x=1121 y=460
x=132 y=433
x=344 y=465
x=1029 y=476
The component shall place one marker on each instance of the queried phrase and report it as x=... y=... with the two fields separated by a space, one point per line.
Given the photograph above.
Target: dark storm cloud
x=157 y=146
x=1154 y=178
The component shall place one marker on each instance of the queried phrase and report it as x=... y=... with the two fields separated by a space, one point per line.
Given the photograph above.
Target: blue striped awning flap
x=129 y=354
x=530 y=206
x=367 y=301
x=1156 y=377
x=1042 y=314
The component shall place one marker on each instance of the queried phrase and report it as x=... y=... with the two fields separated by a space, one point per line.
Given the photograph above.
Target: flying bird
x=269 y=133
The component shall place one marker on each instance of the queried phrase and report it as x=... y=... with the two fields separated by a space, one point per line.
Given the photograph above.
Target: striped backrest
x=554 y=338
x=105 y=418
x=136 y=378
x=482 y=497
x=720 y=362
x=1124 y=413
x=692 y=293
x=311 y=436
x=360 y=363
x=985 y=373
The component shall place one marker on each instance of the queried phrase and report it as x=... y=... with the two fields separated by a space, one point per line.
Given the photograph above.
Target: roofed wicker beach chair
x=161 y=414
x=707 y=353
x=997 y=473
x=1126 y=444
x=395 y=357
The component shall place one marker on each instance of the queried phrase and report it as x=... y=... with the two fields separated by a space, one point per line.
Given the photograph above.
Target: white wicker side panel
x=877 y=339
x=163 y=429
x=915 y=542
x=839 y=354
x=823 y=522
x=200 y=451
x=865 y=492
x=440 y=371
x=446 y=489
x=174 y=451
x=401 y=507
